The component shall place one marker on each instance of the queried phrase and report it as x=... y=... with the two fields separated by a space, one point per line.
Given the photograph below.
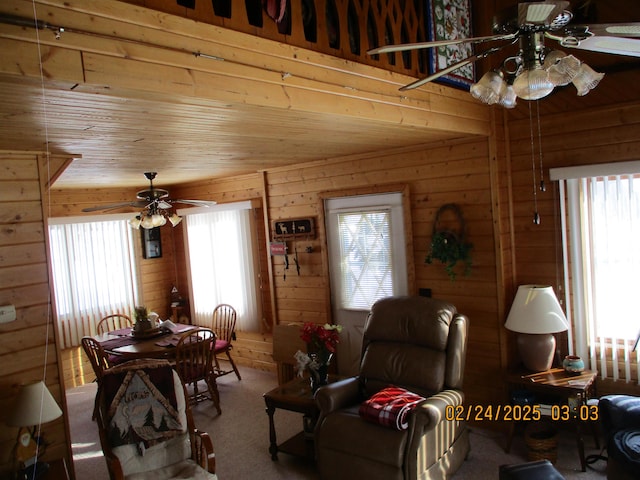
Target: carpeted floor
x=241 y=438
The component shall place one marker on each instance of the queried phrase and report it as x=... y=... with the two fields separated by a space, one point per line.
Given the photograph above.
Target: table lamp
x=536 y=315
x=33 y=406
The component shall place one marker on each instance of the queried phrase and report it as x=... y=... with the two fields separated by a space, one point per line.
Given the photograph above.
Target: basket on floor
x=541 y=439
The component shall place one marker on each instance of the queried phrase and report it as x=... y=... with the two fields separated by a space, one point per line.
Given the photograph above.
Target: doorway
x=367 y=261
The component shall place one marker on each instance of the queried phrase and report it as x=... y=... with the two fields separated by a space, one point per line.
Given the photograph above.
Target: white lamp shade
x=536 y=310
x=34 y=405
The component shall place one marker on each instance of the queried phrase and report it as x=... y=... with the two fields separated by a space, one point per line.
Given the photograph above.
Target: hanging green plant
x=449 y=246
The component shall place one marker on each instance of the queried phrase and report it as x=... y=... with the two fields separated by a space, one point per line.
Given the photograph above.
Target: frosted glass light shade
x=533 y=84
x=564 y=70
x=536 y=309
x=135 y=223
x=490 y=88
x=508 y=98
x=34 y=405
x=158 y=220
x=147 y=222
x=175 y=219
x=586 y=79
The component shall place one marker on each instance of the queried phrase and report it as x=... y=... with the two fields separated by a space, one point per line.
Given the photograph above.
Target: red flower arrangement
x=321 y=337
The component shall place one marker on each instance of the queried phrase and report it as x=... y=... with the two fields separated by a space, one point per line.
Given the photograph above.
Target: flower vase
x=319 y=370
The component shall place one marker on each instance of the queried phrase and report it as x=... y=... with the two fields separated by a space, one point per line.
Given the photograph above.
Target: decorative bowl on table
x=573 y=364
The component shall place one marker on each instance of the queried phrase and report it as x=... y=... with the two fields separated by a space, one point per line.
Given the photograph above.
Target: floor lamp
x=536 y=315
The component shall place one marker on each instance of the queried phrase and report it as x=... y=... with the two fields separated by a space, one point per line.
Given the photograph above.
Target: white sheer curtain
x=603 y=214
x=94 y=273
x=221 y=259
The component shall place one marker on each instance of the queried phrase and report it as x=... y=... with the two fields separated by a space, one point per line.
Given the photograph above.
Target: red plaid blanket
x=390 y=407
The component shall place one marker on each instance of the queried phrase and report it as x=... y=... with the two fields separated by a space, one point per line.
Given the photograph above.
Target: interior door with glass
x=367 y=261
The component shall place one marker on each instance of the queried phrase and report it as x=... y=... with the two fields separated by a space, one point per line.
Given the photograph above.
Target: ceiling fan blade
x=439 y=43
x=451 y=68
x=615 y=45
x=199 y=203
x=540 y=13
x=114 y=206
x=629 y=30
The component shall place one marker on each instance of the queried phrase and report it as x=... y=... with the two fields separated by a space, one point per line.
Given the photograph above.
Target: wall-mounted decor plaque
x=299 y=227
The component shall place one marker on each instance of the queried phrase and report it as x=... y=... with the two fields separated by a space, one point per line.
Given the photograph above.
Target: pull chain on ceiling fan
x=536 y=70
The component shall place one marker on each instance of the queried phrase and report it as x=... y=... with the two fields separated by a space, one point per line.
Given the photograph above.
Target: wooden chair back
x=224 y=322
x=97 y=356
x=113 y=322
x=194 y=362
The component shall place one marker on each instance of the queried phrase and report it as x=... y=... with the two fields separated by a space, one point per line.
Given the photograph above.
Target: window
x=94 y=273
x=221 y=260
x=603 y=218
x=365 y=249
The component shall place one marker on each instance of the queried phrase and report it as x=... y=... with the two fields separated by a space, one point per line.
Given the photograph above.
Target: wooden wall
x=460 y=172
x=28 y=351
x=598 y=135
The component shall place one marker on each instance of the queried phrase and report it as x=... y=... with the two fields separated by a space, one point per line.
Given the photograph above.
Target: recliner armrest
x=337 y=395
x=434 y=410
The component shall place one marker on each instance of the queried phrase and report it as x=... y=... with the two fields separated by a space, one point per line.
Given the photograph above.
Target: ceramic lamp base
x=536 y=350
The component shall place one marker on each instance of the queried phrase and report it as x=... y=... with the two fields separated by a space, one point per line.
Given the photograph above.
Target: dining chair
x=113 y=322
x=224 y=325
x=194 y=362
x=99 y=361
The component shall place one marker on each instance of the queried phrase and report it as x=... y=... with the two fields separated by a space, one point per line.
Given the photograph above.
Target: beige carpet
x=241 y=438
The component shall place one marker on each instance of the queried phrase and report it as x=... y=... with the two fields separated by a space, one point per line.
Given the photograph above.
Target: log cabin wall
x=28 y=351
x=459 y=172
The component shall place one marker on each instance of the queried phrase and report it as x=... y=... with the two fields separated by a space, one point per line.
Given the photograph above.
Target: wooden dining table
x=160 y=344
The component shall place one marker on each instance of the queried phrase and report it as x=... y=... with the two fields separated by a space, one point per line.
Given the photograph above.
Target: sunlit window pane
x=365 y=247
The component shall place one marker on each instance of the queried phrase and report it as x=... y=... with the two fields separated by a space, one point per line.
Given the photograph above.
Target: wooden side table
x=555 y=387
x=295 y=396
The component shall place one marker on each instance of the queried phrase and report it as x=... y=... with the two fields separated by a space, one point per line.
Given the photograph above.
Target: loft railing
x=341 y=28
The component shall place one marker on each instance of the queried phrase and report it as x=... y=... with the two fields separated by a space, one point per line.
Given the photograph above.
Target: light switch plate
x=7 y=313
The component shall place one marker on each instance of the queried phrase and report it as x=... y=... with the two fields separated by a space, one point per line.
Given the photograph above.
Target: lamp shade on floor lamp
x=536 y=315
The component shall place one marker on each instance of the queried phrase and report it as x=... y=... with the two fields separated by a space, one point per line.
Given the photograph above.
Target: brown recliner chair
x=418 y=344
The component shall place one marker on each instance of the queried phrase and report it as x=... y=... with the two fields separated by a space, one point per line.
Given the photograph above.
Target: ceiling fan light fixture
x=586 y=79
x=533 y=84
x=508 y=99
x=146 y=222
x=490 y=88
x=158 y=220
x=564 y=70
x=175 y=219
x=135 y=222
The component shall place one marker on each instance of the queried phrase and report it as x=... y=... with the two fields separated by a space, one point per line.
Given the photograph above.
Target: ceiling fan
x=155 y=203
x=535 y=70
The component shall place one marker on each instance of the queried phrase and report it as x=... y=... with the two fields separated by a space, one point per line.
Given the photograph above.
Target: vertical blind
x=603 y=218
x=221 y=260
x=94 y=274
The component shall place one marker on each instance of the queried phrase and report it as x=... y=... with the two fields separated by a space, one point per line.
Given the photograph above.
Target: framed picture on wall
x=151 y=243
x=450 y=20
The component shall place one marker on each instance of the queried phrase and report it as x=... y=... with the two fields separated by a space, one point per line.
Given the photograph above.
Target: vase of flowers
x=321 y=341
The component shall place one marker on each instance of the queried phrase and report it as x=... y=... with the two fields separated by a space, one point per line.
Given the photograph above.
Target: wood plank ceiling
x=251 y=120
